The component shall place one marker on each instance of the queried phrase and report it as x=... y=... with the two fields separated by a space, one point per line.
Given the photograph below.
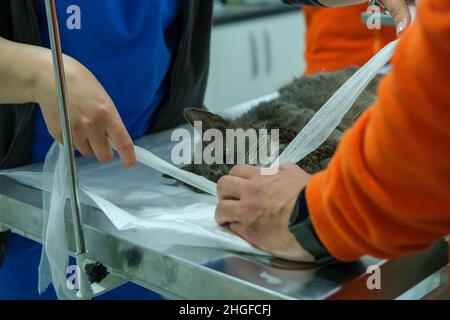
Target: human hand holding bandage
x=93 y=115
x=397 y=8
x=258 y=208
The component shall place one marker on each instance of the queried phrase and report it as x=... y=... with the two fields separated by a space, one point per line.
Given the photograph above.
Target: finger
x=244 y=171
x=400 y=12
x=230 y=187
x=82 y=145
x=100 y=145
x=122 y=142
x=227 y=211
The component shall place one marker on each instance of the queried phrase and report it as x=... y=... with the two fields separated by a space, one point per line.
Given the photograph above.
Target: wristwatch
x=301 y=227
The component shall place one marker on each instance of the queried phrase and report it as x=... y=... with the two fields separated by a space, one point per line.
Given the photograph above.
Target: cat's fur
x=290 y=112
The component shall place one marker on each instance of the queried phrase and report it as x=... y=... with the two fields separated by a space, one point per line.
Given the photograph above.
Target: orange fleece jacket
x=386 y=191
x=336 y=38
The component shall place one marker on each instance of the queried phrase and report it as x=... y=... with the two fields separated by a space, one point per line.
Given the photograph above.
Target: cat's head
x=209 y=120
x=239 y=144
x=255 y=119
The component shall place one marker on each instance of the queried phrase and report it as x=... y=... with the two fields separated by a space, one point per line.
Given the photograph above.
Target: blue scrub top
x=129 y=47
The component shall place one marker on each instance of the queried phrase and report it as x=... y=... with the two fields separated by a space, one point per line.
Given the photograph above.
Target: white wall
x=253 y=58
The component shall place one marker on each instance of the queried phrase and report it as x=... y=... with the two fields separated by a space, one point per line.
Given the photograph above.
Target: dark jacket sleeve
x=304 y=2
x=18 y=22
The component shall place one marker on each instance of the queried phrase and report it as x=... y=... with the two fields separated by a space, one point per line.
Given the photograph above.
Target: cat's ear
x=209 y=120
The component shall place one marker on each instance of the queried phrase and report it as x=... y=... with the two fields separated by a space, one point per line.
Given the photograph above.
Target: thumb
x=400 y=12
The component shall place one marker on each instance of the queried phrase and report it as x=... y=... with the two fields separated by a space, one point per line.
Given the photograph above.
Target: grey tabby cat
x=290 y=112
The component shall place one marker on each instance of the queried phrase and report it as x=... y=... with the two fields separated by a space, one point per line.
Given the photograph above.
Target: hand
x=400 y=12
x=397 y=8
x=94 y=118
x=258 y=208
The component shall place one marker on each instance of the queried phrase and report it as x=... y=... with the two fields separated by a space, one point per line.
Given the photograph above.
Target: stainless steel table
x=202 y=273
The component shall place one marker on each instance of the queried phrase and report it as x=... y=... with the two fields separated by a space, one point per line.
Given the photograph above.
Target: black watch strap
x=302 y=228
x=305 y=234
x=300 y=212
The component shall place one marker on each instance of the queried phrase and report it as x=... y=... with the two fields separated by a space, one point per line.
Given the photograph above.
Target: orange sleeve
x=386 y=192
x=337 y=38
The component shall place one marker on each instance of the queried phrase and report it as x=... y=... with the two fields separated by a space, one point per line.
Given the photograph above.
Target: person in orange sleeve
x=337 y=38
x=386 y=192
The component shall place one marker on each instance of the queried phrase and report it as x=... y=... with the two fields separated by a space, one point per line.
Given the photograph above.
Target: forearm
x=20 y=66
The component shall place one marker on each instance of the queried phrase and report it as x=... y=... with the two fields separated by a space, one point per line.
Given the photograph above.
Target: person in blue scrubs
x=129 y=47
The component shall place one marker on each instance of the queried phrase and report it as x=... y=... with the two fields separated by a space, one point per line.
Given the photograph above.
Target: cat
x=290 y=112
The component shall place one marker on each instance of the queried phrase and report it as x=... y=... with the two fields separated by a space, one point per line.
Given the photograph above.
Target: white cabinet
x=253 y=58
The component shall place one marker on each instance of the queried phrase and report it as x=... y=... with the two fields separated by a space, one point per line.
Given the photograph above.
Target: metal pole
x=64 y=112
